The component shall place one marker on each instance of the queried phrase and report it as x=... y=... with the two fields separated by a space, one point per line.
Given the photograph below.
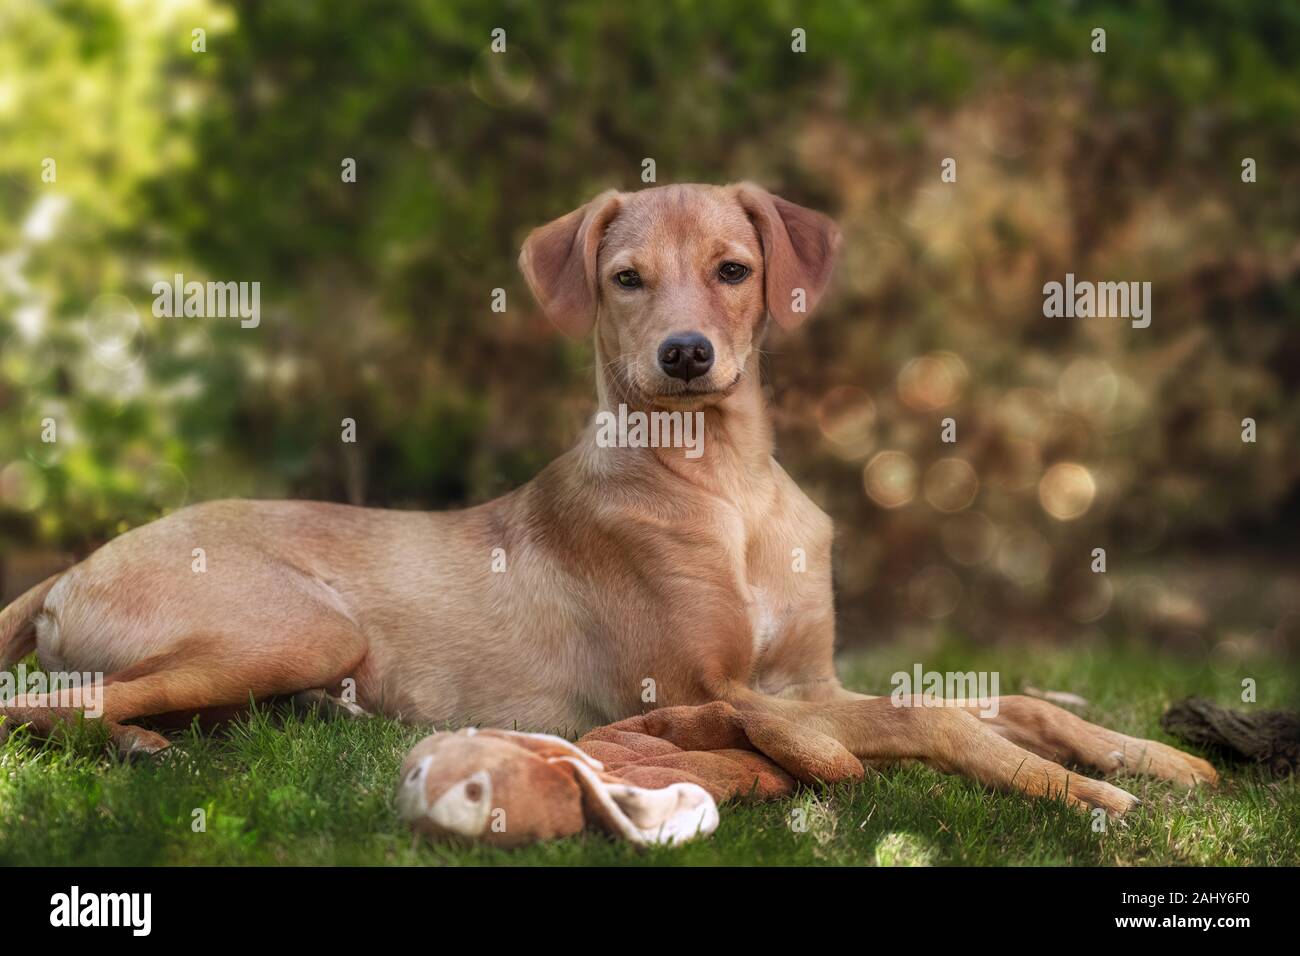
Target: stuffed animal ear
x=559 y=262
x=668 y=815
x=799 y=248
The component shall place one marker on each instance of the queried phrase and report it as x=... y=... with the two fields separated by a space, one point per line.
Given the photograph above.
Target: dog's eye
x=628 y=279
x=732 y=272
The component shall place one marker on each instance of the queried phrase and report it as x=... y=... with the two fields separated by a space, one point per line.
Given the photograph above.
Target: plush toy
x=656 y=778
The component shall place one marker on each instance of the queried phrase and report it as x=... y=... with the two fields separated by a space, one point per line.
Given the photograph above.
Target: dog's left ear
x=799 y=247
x=559 y=262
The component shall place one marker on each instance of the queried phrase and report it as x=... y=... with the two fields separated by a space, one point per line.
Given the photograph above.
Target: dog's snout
x=686 y=356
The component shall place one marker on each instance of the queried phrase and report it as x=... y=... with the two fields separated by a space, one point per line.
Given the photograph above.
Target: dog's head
x=677 y=281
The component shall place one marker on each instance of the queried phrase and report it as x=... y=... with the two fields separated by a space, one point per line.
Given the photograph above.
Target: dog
x=618 y=579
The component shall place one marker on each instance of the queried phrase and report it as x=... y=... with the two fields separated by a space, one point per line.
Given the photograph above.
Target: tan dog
x=615 y=570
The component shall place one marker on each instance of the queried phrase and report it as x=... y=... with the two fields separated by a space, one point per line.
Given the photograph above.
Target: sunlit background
x=1072 y=434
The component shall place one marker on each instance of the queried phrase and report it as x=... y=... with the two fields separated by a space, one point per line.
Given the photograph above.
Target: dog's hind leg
x=43 y=715
x=200 y=672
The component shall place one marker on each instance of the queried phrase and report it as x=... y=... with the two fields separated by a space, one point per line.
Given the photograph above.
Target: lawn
x=279 y=788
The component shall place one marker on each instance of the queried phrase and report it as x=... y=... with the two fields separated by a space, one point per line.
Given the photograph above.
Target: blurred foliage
x=225 y=165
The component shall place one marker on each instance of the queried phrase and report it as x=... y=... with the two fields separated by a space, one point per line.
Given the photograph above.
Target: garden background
x=1073 y=434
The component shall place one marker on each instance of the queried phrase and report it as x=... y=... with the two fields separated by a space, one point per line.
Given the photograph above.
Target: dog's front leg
x=1056 y=734
x=951 y=739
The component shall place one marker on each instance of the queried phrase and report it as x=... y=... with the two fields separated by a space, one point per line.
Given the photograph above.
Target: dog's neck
x=735 y=448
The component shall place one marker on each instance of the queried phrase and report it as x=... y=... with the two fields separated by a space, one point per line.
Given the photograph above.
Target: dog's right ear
x=559 y=262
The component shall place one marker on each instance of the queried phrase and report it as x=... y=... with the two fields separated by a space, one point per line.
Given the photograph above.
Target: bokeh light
x=22 y=486
x=1024 y=556
x=1087 y=596
x=969 y=538
x=1067 y=491
x=1025 y=414
x=1088 y=387
x=846 y=416
x=931 y=382
x=113 y=328
x=890 y=479
x=950 y=484
x=934 y=592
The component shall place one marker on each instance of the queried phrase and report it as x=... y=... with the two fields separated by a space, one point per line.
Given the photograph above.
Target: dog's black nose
x=686 y=356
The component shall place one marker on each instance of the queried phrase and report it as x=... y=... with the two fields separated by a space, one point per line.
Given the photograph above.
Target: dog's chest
x=765 y=618
x=783 y=545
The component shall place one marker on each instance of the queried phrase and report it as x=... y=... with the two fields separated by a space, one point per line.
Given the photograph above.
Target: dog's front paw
x=136 y=742
x=1089 y=794
x=1198 y=771
x=1168 y=763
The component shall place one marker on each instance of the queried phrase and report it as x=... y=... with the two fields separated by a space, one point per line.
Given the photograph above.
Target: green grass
x=278 y=788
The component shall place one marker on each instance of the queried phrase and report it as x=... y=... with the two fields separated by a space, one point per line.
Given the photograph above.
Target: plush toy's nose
x=412 y=798
x=462 y=809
